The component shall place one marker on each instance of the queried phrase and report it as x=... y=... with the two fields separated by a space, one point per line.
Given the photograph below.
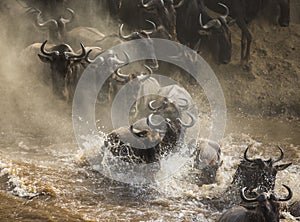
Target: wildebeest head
x=207 y=161
x=266 y=209
x=172 y=114
x=64 y=67
x=148 y=46
x=137 y=143
x=268 y=206
x=284 y=18
x=258 y=173
x=56 y=27
x=122 y=77
x=219 y=29
x=164 y=13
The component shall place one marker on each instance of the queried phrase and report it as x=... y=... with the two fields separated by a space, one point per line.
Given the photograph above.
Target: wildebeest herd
x=161 y=122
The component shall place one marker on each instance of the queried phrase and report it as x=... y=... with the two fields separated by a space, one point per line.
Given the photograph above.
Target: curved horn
x=151 y=107
x=72 y=15
x=87 y=59
x=281 y=155
x=65 y=20
x=48 y=23
x=223 y=17
x=290 y=195
x=87 y=56
x=186 y=103
x=46 y=53
x=147 y=5
x=150 y=122
x=73 y=56
x=193 y=120
x=260 y=197
x=126 y=37
x=127 y=58
x=138 y=134
x=179 y=4
x=246 y=156
x=212 y=23
x=149 y=69
x=149 y=32
x=121 y=75
x=155 y=65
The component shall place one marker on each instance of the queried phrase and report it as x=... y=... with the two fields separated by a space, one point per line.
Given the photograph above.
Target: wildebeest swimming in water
x=258 y=173
x=148 y=139
x=266 y=209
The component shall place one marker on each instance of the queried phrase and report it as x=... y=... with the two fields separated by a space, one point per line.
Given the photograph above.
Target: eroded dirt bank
x=271 y=87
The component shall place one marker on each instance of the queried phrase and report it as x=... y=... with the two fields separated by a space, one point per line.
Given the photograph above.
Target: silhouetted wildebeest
x=67 y=66
x=134 y=13
x=194 y=26
x=244 y=12
x=162 y=13
x=266 y=210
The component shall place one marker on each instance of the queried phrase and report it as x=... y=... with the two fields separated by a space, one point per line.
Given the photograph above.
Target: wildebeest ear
x=44 y=58
x=282 y=166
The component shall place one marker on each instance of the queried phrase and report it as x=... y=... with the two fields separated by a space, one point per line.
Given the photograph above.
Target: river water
x=44 y=176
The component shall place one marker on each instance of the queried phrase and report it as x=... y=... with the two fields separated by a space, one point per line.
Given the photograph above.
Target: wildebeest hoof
x=247 y=67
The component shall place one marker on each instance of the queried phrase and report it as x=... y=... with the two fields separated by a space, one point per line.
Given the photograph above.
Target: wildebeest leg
x=245 y=42
x=284 y=18
x=243 y=46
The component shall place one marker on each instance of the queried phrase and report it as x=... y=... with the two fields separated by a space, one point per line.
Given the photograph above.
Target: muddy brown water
x=44 y=176
x=50 y=181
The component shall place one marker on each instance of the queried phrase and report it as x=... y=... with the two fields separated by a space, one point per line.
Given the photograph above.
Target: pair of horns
x=263 y=197
x=273 y=160
x=215 y=22
x=68 y=55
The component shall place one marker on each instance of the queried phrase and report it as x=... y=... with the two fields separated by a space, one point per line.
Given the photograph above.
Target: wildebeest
x=65 y=67
x=134 y=14
x=141 y=86
x=147 y=42
x=267 y=209
x=244 y=12
x=194 y=25
x=137 y=143
x=162 y=12
x=175 y=105
x=145 y=141
x=59 y=30
x=207 y=161
x=154 y=32
x=165 y=124
x=258 y=173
